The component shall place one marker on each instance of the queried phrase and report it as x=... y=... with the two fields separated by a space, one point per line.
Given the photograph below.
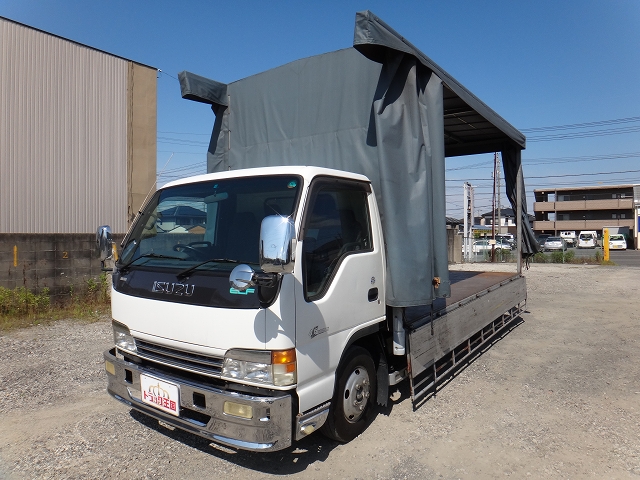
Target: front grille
x=188 y=361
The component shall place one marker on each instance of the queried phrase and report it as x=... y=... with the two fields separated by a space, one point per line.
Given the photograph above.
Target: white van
x=587 y=239
x=569 y=237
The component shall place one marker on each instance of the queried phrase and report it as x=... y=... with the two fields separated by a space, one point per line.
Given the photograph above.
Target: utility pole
x=498 y=190
x=493 y=209
x=468 y=219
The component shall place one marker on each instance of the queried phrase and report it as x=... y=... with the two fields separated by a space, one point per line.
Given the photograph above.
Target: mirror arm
x=103 y=268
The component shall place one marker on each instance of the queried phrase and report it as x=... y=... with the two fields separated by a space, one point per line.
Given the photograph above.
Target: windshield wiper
x=148 y=255
x=187 y=271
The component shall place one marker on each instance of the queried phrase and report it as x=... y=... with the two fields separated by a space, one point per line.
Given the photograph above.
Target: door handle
x=373 y=294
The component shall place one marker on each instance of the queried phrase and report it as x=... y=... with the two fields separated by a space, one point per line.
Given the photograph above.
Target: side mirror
x=104 y=243
x=242 y=277
x=277 y=243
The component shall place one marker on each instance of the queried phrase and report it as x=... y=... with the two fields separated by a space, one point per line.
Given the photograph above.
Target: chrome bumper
x=201 y=410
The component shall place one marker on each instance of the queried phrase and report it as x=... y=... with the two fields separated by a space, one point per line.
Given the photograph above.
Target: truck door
x=340 y=285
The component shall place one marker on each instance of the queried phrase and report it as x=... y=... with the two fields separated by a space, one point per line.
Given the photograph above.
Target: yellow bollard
x=15 y=255
x=605 y=243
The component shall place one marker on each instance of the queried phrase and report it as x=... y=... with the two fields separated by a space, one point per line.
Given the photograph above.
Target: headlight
x=276 y=368
x=122 y=338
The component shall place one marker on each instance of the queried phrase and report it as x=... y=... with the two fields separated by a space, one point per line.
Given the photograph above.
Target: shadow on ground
x=297 y=458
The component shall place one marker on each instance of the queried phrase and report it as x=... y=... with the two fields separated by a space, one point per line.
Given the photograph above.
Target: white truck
x=253 y=306
x=569 y=237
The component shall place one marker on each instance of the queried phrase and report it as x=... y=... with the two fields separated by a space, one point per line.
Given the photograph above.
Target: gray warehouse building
x=77 y=149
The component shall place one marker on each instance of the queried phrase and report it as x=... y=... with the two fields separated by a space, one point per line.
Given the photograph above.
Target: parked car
x=507 y=238
x=480 y=246
x=617 y=242
x=587 y=239
x=543 y=238
x=554 y=243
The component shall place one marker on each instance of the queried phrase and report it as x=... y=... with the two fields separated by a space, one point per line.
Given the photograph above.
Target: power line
x=555 y=160
x=165 y=73
x=551 y=176
x=468 y=167
x=186 y=153
x=582 y=130
x=185 y=133
x=627 y=181
x=178 y=141
x=592 y=133
x=187 y=167
x=585 y=174
x=582 y=125
x=586 y=158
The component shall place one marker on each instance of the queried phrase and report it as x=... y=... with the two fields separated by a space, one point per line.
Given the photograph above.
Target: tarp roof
x=470 y=126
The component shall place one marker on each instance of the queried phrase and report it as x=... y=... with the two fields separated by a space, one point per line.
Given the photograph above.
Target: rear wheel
x=353 y=404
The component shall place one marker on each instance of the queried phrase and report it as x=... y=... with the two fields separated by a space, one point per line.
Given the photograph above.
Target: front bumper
x=202 y=409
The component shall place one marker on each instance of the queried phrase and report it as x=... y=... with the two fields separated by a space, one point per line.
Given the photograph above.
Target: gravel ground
x=557 y=397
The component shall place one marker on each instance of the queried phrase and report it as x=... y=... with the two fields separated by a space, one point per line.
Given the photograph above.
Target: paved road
x=627 y=258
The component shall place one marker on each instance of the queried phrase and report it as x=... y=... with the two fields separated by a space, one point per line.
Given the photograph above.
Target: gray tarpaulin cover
x=375 y=109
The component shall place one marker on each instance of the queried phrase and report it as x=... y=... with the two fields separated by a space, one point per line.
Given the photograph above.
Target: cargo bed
x=441 y=335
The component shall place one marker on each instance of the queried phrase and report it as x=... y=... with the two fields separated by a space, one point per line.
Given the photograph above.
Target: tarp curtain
x=409 y=135
x=377 y=41
x=512 y=162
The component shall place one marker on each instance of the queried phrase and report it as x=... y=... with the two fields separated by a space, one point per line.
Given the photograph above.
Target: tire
x=353 y=403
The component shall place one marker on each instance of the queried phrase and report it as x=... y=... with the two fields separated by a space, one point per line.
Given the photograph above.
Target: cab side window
x=336 y=225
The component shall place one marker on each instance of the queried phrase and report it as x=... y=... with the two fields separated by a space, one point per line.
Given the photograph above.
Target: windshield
x=216 y=222
x=616 y=237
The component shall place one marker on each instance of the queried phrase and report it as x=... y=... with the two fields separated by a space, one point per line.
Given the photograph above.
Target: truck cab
x=242 y=301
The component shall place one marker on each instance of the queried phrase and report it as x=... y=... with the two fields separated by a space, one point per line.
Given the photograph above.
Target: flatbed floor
x=463 y=286
x=448 y=331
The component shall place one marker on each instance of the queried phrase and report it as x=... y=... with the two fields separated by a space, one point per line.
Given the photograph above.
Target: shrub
x=21 y=308
x=539 y=258
x=563 y=257
x=21 y=301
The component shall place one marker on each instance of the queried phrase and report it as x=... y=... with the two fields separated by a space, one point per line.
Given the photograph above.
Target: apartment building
x=587 y=208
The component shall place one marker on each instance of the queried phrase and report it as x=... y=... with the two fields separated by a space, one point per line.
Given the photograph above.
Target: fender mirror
x=104 y=244
x=277 y=244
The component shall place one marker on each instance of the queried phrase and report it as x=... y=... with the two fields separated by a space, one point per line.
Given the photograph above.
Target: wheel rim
x=356 y=394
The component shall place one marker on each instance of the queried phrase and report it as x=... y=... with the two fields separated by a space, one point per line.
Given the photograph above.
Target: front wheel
x=353 y=404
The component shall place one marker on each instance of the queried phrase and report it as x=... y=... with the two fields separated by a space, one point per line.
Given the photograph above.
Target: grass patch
x=20 y=308
x=570 y=257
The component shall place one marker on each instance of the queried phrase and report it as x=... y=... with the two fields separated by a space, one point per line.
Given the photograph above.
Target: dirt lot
x=558 y=397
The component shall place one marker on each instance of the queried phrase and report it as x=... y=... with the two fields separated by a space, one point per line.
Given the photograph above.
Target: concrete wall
x=60 y=262
x=454 y=246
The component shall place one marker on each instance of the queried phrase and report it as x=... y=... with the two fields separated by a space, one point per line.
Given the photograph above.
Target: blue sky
x=537 y=63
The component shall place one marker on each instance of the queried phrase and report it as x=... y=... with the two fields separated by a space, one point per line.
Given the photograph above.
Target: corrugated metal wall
x=63 y=135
